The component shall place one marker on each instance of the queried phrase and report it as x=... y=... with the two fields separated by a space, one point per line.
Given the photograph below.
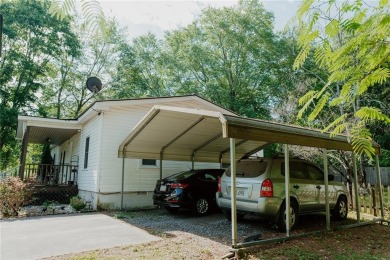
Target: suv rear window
x=249 y=169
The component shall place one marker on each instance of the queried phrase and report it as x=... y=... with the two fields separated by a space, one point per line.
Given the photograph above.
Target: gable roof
x=60 y=130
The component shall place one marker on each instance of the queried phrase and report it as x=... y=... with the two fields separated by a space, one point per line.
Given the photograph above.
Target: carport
x=181 y=134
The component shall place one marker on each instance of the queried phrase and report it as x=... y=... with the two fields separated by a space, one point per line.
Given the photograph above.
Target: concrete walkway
x=39 y=237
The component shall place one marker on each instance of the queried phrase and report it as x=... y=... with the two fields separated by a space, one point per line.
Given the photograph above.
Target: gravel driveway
x=185 y=236
x=215 y=226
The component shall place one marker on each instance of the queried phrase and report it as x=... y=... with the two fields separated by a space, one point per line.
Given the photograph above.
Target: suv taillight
x=267 y=189
x=219 y=185
x=179 y=185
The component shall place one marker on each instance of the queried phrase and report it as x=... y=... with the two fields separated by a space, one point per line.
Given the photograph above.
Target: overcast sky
x=141 y=17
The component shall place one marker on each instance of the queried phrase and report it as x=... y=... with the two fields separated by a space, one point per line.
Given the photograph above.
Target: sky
x=141 y=17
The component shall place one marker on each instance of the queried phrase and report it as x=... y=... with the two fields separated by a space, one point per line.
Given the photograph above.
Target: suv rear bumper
x=264 y=207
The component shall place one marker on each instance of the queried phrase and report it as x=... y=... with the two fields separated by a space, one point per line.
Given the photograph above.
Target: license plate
x=240 y=192
x=163 y=188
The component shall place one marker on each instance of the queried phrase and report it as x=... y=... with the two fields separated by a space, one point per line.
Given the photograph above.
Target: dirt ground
x=198 y=241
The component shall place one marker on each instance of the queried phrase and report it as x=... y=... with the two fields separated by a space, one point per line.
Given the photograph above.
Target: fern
x=301 y=57
x=307 y=97
x=339 y=129
x=336 y=101
x=91 y=9
x=332 y=29
x=383 y=3
x=320 y=105
x=361 y=140
x=304 y=7
x=61 y=8
x=378 y=76
x=371 y=113
x=336 y=122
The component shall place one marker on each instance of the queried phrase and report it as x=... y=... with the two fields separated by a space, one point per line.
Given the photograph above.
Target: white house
x=91 y=142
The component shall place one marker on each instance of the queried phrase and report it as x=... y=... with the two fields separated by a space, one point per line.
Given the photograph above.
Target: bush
x=14 y=193
x=77 y=203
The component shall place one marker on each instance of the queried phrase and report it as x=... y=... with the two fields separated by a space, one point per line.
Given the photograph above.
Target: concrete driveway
x=40 y=237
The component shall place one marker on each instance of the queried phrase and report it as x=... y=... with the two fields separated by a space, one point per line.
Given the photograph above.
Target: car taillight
x=179 y=185
x=219 y=185
x=267 y=189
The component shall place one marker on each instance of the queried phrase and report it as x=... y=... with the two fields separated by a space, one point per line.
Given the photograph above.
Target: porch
x=55 y=179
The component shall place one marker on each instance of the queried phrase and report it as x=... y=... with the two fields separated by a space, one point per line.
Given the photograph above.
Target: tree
x=31 y=38
x=351 y=42
x=226 y=55
x=97 y=56
x=141 y=70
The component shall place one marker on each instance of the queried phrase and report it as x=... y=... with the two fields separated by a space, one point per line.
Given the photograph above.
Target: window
x=315 y=173
x=249 y=168
x=86 y=153
x=297 y=170
x=149 y=162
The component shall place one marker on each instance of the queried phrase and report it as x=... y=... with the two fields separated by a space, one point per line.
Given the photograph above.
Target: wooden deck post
x=24 y=152
x=379 y=184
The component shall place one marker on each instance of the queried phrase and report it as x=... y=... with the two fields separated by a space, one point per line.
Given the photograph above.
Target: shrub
x=77 y=203
x=14 y=193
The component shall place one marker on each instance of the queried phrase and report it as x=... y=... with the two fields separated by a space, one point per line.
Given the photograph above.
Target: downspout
x=123 y=174
x=101 y=114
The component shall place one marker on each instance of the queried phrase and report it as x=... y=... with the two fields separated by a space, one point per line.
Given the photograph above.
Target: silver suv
x=260 y=189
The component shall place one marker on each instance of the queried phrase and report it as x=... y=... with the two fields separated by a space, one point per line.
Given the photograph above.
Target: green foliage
x=25 y=63
x=230 y=56
x=353 y=48
x=14 y=193
x=77 y=203
x=91 y=10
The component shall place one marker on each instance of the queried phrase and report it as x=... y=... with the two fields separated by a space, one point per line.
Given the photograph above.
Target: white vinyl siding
x=87 y=178
x=118 y=123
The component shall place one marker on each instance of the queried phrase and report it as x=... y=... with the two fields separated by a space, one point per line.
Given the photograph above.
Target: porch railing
x=52 y=174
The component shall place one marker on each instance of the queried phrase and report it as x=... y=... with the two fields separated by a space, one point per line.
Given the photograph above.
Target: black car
x=194 y=189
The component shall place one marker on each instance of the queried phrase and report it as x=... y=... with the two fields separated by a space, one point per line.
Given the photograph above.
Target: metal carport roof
x=185 y=134
x=173 y=133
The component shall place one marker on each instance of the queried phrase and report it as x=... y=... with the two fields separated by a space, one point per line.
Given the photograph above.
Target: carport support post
x=161 y=165
x=287 y=187
x=233 y=190
x=379 y=183
x=355 y=183
x=326 y=181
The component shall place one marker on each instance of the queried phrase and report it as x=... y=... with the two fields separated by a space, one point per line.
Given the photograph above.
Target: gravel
x=214 y=226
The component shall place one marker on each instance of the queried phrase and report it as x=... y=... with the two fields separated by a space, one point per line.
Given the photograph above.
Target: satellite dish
x=94 y=84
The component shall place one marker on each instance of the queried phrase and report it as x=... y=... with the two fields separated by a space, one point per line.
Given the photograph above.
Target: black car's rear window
x=180 y=176
x=249 y=169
